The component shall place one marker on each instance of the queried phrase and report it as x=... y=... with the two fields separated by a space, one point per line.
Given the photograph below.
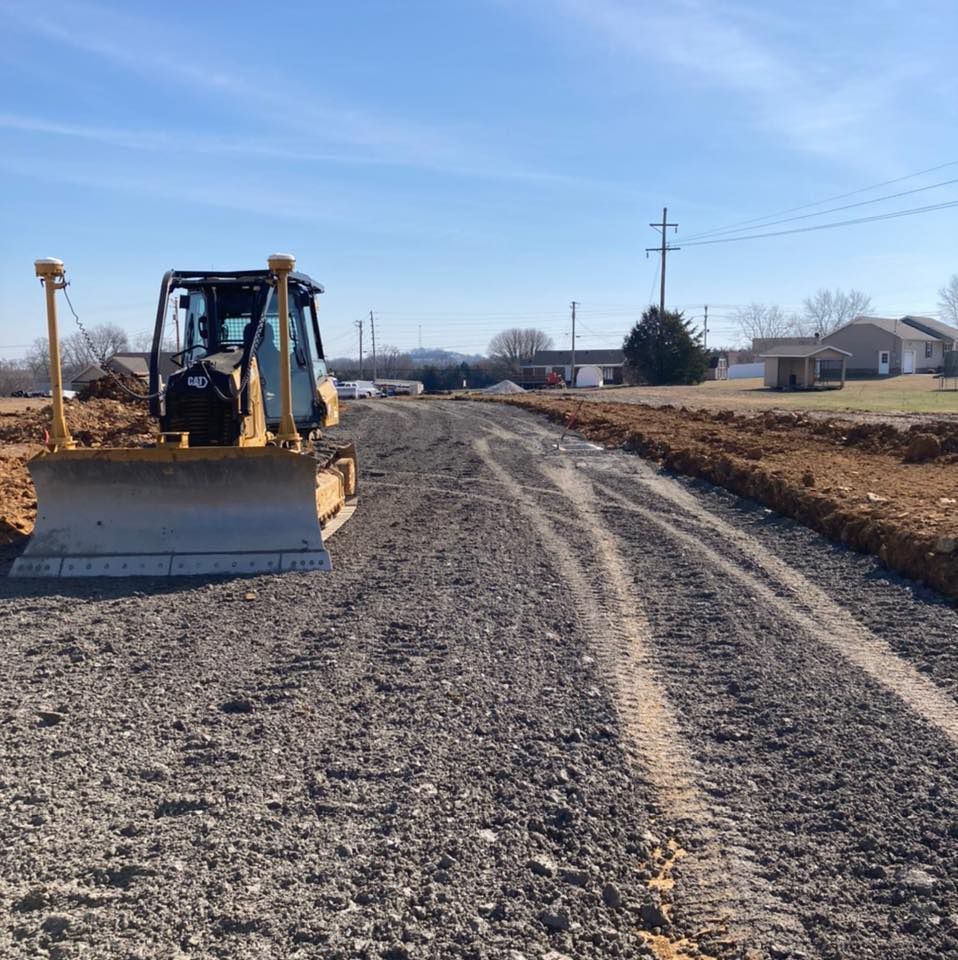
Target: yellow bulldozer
x=241 y=479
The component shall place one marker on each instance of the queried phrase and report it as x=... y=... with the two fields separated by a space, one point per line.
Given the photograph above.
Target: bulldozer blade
x=167 y=511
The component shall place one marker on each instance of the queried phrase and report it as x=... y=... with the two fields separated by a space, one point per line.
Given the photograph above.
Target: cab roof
x=197 y=277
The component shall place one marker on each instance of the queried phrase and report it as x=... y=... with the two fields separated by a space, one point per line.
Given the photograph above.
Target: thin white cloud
x=806 y=103
x=289 y=150
x=317 y=130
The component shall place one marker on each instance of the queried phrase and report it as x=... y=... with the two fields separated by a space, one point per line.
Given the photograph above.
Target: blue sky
x=468 y=165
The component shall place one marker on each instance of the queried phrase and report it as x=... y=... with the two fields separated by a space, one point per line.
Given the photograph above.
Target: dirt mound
x=94 y=423
x=847 y=480
x=17 y=500
x=125 y=389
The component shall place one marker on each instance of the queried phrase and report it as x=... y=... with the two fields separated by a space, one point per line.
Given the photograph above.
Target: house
x=126 y=364
x=805 y=366
x=533 y=373
x=884 y=346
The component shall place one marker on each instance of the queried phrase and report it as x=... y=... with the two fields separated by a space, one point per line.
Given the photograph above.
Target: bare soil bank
x=23 y=430
x=850 y=481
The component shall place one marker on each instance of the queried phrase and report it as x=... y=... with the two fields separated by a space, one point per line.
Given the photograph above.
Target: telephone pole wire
x=575 y=303
x=372 y=327
x=359 y=324
x=662 y=249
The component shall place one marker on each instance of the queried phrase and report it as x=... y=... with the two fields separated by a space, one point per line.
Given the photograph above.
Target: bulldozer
x=241 y=479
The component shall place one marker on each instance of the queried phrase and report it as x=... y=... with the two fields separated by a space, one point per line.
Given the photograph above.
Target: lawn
x=918 y=393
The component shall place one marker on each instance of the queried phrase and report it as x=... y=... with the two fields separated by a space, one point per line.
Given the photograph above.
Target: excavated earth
x=884 y=490
x=552 y=702
x=93 y=423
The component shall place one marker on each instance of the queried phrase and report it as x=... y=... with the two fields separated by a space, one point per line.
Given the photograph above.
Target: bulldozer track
x=806 y=605
x=721 y=883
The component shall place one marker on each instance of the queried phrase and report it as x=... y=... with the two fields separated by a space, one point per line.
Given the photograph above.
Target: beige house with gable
x=883 y=346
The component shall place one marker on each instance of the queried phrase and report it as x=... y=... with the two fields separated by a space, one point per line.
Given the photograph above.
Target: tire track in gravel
x=726 y=887
x=807 y=605
x=845 y=792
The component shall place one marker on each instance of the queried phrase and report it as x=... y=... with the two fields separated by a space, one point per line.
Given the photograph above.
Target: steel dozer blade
x=169 y=511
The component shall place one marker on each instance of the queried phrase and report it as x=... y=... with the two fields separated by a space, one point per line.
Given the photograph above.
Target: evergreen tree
x=664 y=349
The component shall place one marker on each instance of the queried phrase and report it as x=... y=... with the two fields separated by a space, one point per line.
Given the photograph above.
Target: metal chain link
x=101 y=359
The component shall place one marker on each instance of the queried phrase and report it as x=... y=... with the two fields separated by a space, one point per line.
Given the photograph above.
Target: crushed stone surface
x=552 y=702
x=878 y=488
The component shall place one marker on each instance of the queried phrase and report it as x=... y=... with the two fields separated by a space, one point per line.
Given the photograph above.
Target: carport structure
x=805 y=367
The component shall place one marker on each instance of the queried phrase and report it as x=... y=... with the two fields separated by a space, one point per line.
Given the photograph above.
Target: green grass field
x=918 y=393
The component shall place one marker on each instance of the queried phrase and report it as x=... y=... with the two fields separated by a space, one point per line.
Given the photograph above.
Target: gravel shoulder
x=551 y=702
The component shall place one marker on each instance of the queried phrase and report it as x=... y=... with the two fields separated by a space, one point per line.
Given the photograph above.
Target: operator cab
x=223 y=314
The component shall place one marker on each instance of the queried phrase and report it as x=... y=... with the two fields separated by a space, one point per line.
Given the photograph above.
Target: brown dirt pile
x=880 y=490
x=96 y=423
x=124 y=389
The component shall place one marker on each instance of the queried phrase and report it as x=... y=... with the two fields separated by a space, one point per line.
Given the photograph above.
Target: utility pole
x=359 y=324
x=174 y=303
x=575 y=303
x=372 y=327
x=663 y=249
x=705 y=329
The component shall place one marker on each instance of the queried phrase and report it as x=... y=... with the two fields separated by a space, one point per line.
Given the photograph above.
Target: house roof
x=137 y=364
x=894 y=326
x=801 y=350
x=942 y=331
x=132 y=366
x=602 y=358
x=90 y=372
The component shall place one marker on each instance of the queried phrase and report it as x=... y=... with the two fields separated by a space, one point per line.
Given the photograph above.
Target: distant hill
x=423 y=356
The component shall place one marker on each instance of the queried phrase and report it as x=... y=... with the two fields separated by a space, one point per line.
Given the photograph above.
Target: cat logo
x=199 y=382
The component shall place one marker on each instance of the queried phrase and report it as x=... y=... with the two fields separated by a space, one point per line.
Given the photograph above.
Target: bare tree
x=104 y=341
x=948 y=301
x=37 y=358
x=14 y=375
x=143 y=342
x=511 y=348
x=763 y=321
x=828 y=310
x=392 y=363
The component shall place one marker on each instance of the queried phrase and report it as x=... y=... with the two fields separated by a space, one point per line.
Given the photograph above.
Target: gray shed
x=805 y=367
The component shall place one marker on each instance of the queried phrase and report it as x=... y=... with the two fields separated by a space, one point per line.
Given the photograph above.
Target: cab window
x=197 y=330
x=268 y=358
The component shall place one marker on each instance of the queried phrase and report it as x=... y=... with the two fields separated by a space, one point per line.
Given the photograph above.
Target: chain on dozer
x=101 y=359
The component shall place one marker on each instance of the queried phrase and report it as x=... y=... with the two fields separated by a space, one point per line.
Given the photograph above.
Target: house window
x=608 y=373
x=929 y=349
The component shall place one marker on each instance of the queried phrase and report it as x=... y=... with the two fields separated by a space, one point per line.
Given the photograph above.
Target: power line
x=818 y=203
x=847 y=206
x=827 y=226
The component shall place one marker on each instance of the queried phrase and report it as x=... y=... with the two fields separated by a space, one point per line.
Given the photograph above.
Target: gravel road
x=552 y=703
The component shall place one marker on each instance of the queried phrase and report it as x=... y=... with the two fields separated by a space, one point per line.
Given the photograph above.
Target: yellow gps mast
x=281 y=264
x=50 y=272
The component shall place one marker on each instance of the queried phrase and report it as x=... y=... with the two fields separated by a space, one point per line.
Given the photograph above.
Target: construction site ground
x=553 y=702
